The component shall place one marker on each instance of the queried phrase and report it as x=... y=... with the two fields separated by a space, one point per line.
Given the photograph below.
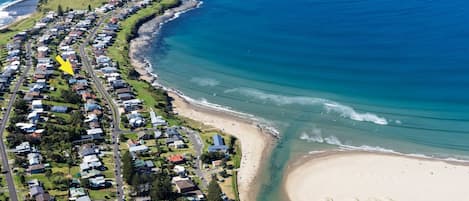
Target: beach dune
x=372 y=176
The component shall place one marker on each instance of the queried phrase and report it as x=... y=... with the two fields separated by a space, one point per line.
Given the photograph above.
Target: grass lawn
x=52 y=5
x=103 y=194
x=19 y=26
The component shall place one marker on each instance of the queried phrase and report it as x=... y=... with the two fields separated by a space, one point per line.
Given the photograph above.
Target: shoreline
x=147 y=33
x=256 y=143
x=256 y=139
x=377 y=171
x=9 y=7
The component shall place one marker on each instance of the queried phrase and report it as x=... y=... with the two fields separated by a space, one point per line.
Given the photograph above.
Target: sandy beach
x=255 y=142
x=347 y=176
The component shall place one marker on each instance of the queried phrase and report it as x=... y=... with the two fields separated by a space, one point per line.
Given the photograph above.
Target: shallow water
x=375 y=75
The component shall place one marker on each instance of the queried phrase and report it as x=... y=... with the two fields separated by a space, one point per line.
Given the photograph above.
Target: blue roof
x=59 y=109
x=216 y=148
x=218 y=140
x=219 y=145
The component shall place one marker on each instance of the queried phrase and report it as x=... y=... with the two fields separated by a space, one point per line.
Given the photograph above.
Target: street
x=3 y=154
x=114 y=109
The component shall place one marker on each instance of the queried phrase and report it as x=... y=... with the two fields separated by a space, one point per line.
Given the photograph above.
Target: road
x=3 y=154
x=194 y=137
x=110 y=101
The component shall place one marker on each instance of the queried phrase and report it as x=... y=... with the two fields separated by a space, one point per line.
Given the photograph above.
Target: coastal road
x=3 y=154
x=194 y=137
x=110 y=101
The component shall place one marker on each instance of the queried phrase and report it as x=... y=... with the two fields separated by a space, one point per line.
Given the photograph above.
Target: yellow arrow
x=65 y=66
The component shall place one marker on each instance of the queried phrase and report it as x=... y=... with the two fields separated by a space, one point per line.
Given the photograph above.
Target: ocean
x=359 y=74
x=12 y=9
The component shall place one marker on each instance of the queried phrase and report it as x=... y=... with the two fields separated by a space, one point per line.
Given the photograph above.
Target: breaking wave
x=205 y=82
x=328 y=105
x=333 y=140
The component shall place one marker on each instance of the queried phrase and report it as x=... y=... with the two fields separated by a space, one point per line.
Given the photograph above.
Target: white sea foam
x=330 y=106
x=316 y=137
x=205 y=82
x=5 y=18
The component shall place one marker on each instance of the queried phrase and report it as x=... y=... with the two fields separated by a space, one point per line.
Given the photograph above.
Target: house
x=173 y=139
x=26 y=127
x=217 y=163
x=34 y=158
x=218 y=144
x=180 y=170
x=36 y=104
x=178 y=144
x=176 y=159
x=135 y=119
x=23 y=148
x=172 y=131
x=149 y=164
x=184 y=186
x=44 y=197
x=33 y=182
x=75 y=193
x=125 y=96
x=36 y=169
x=35 y=190
x=117 y=84
x=94 y=131
x=132 y=143
x=156 y=120
x=124 y=91
x=157 y=134
x=139 y=164
x=83 y=198
x=91 y=106
x=88 y=149
x=59 y=109
x=142 y=199
x=97 y=182
x=144 y=136
x=138 y=149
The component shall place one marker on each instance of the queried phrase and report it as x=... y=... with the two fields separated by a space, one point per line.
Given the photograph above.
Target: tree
x=21 y=106
x=70 y=96
x=89 y=7
x=133 y=74
x=232 y=144
x=128 y=169
x=22 y=179
x=60 y=11
x=161 y=188
x=208 y=157
x=214 y=190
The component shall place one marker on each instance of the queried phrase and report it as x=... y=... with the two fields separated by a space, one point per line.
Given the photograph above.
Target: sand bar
x=354 y=176
x=255 y=143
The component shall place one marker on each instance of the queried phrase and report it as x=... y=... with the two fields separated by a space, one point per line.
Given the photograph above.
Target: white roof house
x=37 y=104
x=179 y=169
x=138 y=149
x=34 y=158
x=90 y=158
x=24 y=147
x=94 y=131
x=178 y=144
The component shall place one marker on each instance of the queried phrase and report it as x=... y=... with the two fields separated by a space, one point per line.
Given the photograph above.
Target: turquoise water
x=377 y=75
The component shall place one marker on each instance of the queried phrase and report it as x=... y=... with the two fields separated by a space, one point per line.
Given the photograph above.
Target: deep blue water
x=374 y=74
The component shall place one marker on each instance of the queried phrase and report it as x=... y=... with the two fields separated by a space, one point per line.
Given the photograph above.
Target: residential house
x=218 y=144
x=176 y=159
